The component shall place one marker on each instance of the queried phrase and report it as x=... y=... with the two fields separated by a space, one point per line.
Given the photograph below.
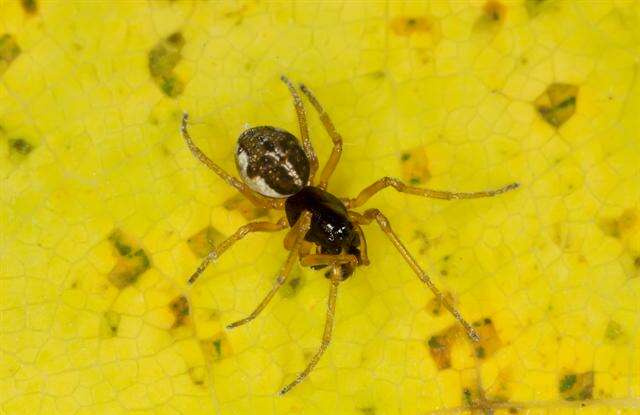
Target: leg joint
x=392 y=181
x=379 y=217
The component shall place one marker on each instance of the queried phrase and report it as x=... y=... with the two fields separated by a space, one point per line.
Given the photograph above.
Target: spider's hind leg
x=336 y=277
x=374 y=214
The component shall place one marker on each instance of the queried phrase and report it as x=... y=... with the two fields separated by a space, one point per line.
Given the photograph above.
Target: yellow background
x=91 y=157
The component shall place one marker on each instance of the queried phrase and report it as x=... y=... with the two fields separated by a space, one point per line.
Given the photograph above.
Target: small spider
x=279 y=174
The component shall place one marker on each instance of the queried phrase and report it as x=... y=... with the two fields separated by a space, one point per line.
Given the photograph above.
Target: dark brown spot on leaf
x=197 y=375
x=20 y=146
x=110 y=324
x=293 y=286
x=202 y=242
x=406 y=26
x=163 y=59
x=621 y=225
x=489 y=341
x=576 y=386
x=492 y=17
x=557 y=104
x=494 y=10
x=180 y=309
x=440 y=346
x=131 y=261
x=9 y=51
x=367 y=410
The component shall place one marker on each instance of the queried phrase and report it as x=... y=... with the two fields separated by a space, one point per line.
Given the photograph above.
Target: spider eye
x=271 y=161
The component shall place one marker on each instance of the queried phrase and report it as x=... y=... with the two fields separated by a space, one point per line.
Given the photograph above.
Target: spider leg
x=242 y=231
x=363 y=242
x=258 y=200
x=385 y=182
x=300 y=228
x=336 y=277
x=383 y=222
x=336 y=152
x=304 y=130
x=313 y=260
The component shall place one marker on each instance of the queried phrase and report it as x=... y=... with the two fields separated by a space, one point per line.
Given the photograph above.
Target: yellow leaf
x=105 y=213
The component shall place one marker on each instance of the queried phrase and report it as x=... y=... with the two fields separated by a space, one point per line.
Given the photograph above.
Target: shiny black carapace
x=278 y=172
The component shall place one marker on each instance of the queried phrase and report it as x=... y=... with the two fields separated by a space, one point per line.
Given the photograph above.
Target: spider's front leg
x=398 y=185
x=336 y=152
x=304 y=129
x=374 y=214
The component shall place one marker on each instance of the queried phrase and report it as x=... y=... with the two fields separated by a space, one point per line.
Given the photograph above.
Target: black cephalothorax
x=331 y=230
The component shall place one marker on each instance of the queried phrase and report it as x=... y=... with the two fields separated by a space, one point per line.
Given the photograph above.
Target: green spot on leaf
x=567 y=382
x=576 y=386
x=557 y=103
x=163 y=58
x=9 y=51
x=434 y=343
x=466 y=396
x=217 y=345
x=172 y=86
x=131 y=261
x=613 y=331
x=122 y=248
x=30 y=6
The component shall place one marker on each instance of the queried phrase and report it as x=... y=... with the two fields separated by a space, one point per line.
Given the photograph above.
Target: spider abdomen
x=271 y=161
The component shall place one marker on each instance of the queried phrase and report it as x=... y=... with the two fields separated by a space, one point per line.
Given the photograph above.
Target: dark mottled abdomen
x=271 y=161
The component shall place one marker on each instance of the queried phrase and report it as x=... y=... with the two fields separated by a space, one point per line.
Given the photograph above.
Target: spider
x=324 y=232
